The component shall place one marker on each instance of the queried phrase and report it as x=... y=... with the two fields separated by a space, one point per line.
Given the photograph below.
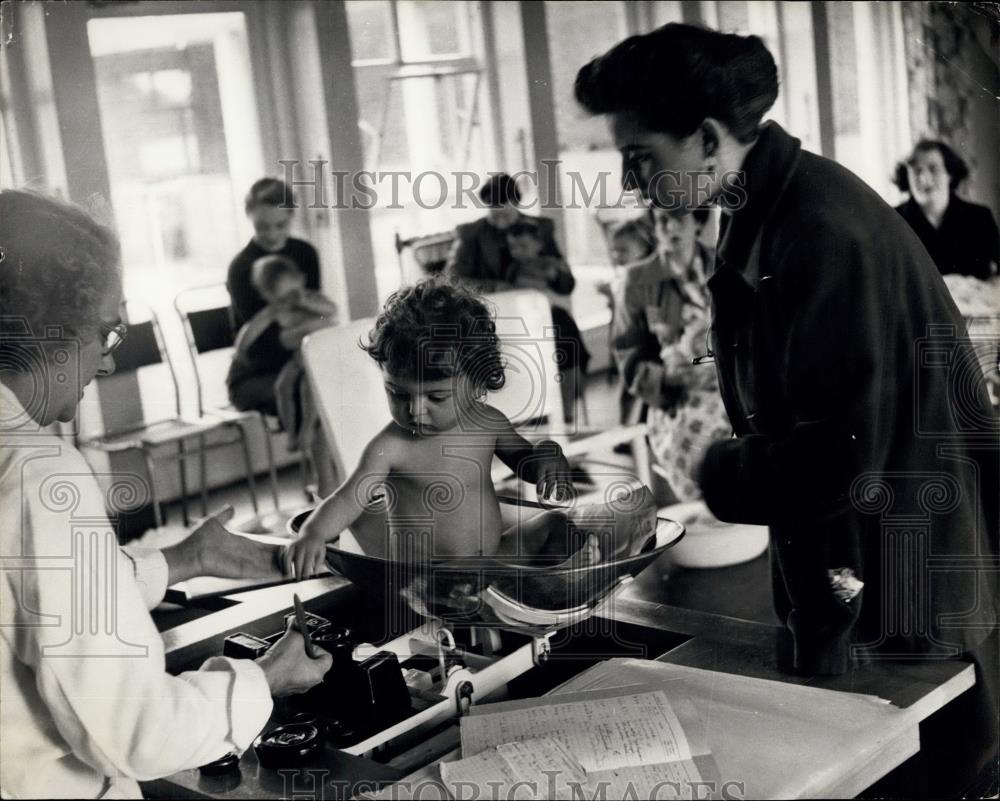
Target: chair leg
x=272 y=470
x=643 y=463
x=182 y=459
x=203 y=469
x=249 y=466
x=304 y=475
x=154 y=496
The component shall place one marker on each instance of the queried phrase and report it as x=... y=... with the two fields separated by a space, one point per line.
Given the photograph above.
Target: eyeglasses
x=112 y=336
x=709 y=355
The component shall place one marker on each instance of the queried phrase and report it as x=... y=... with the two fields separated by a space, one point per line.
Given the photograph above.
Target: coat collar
x=765 y=174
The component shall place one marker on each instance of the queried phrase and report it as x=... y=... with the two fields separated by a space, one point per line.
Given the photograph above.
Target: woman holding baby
x=274 y=287
x=507 y=249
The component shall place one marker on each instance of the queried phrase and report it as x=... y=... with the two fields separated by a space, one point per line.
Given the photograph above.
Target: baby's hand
x=305 y=557
x=554 y=478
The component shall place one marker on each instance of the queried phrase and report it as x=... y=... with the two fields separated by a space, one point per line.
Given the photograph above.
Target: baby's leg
x=548 y=536
x=287 y=402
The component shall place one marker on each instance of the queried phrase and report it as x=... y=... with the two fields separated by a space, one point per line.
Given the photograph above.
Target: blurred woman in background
x=962 y=237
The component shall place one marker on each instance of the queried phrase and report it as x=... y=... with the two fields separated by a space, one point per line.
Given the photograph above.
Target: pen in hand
x=300 y=620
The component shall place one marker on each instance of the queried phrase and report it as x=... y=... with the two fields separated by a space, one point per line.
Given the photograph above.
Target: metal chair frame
x=268 y=423
x=144 y=438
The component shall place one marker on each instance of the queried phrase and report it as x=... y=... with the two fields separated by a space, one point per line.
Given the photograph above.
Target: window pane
x=181 y=143
x=431 y=29
x=370 y=22
x=422 y=123
x=797 y=90
x=578 y=31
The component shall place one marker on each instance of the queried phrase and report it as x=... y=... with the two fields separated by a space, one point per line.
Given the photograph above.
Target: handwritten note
x=603 y=733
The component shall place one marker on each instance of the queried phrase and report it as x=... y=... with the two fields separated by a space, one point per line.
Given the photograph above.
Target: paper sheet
x=627 y=741
x=604 y=731
x=539 y=768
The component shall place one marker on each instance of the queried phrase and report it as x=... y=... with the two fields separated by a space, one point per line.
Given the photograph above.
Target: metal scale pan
x=531 y=594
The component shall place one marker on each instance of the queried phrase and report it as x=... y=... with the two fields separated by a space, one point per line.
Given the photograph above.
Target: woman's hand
x=289 y=670
x=212 y=550
x=306 y=556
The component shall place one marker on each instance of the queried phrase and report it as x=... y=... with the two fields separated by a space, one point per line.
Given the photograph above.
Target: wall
x=954 y=82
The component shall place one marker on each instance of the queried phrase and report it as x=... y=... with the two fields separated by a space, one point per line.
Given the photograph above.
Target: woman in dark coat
x=865 y=437
x=481 y=258
x=961 y=237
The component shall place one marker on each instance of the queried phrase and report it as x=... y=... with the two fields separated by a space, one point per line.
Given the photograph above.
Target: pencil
x=300 y=619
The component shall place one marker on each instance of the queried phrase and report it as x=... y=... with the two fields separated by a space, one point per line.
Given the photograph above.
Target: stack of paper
x=629 y=742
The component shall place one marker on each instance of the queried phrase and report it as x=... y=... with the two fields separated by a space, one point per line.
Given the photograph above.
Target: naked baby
x=430 y=467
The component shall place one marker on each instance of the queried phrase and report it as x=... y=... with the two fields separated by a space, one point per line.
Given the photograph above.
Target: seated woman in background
x=662 y=328
x=252 y=376
x=481 y=258
x=270 y=208
x=961 y=237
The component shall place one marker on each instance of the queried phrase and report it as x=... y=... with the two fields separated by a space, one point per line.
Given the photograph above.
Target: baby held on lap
x=429 y=469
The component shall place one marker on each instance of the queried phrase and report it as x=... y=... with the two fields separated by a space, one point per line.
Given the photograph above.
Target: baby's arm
x=319 y=304
x=317 y=314
x=542 y=464
x=305 y=556
x=253 y=328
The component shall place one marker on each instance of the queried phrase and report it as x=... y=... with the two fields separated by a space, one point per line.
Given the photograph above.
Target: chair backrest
x=530 y=396
x=143 y=355
x=347 y=388
x=350 y=395
x=428 y=254
x=205 y=315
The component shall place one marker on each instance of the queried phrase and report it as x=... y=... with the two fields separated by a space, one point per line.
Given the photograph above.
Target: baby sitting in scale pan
x=437 y=348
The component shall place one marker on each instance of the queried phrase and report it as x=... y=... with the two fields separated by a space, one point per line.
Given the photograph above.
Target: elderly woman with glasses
x=88 y=708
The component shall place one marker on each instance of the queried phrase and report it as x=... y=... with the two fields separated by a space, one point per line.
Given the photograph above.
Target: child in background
x=439 y=354
x=529 y=269
x=298 y=311
x=631 y=241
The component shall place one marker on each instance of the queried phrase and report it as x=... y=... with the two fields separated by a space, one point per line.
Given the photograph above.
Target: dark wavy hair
x=677 y=76
x=500 y=189
x=57 y=264
x=435 y=330
x=269 y=192
x=954 y=164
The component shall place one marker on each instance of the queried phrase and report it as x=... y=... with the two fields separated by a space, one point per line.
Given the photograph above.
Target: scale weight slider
x=229 y=763
x=287 y=746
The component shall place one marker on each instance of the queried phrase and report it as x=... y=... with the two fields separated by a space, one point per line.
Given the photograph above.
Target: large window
x=786 y=28
x=870 y=111
x=577 y=32
x=422 y=90
x=181 y=143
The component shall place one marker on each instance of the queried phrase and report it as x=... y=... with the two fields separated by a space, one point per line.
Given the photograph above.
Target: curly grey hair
x=56 y=265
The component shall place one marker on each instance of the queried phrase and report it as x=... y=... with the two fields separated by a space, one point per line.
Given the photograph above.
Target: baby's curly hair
x=435 y=330
x=57 y=265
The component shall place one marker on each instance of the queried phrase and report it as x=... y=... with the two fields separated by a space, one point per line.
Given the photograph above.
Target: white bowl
x=709 y=542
